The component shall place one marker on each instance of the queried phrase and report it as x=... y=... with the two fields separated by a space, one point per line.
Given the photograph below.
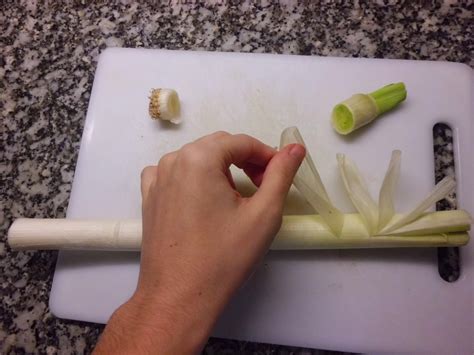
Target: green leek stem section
x=433 y=229
x=361 y=109
x=388 y=97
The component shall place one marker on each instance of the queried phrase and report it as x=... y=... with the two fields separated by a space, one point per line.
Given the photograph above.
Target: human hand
x=201 y=238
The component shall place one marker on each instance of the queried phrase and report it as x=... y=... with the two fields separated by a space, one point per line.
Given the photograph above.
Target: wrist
x=153 y=325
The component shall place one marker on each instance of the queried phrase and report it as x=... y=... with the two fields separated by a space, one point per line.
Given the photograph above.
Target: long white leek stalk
x=297 y=232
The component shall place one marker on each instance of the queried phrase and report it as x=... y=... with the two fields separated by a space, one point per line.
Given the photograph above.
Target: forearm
x=150 y=327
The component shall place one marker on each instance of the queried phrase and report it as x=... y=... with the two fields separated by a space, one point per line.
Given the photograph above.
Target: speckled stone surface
x=48 y=54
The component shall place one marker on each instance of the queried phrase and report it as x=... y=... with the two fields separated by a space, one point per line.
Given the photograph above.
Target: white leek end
x=43 y=234
x=164 y=105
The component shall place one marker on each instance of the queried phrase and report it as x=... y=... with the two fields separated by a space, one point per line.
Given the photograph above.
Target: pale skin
x=201 y=240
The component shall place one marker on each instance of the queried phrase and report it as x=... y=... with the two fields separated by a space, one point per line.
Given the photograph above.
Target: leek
x=445 y=228
x=375 y=226
x=361 y=109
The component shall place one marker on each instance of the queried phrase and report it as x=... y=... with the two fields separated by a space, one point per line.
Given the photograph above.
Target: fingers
x=150 y=173
x=242 y=150
x=255 y=173
x=278 y=177
x=225 y=149
x=239 y=149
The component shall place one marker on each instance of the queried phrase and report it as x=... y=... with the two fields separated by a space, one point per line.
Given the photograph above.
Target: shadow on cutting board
x=408 y=255
x=79 y=259
x=71 y=259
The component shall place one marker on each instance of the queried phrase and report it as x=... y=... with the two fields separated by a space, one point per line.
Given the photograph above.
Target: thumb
x=279 y=174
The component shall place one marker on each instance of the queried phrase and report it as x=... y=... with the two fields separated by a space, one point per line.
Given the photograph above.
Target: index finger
x=242 y=150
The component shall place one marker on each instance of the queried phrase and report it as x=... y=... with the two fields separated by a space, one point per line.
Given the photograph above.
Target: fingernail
x=298 y=151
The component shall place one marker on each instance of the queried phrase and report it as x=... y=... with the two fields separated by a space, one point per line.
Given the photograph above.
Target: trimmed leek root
x=361 y=109
x=164 y=105
x=297 y=232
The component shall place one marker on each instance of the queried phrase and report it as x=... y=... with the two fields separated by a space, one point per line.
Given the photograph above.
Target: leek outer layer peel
x=375 y=221
x=309 y=183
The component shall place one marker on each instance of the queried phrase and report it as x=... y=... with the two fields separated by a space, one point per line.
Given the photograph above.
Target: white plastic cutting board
x=357 y=300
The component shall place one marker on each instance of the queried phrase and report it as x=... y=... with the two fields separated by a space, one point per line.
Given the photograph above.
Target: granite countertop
x=49 y=52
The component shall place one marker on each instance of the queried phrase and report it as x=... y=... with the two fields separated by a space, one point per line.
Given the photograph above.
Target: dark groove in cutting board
x=449 y=263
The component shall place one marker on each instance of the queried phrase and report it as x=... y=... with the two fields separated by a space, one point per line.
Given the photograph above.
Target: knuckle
x=247 y=139
x=243 y=136
x=193 y=154
x=166 y=160
x=147 y=172
x=220 y=134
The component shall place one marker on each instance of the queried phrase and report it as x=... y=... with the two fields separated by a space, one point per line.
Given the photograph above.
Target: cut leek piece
x=361 y=109
x=309 y=184
x=164 y=105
